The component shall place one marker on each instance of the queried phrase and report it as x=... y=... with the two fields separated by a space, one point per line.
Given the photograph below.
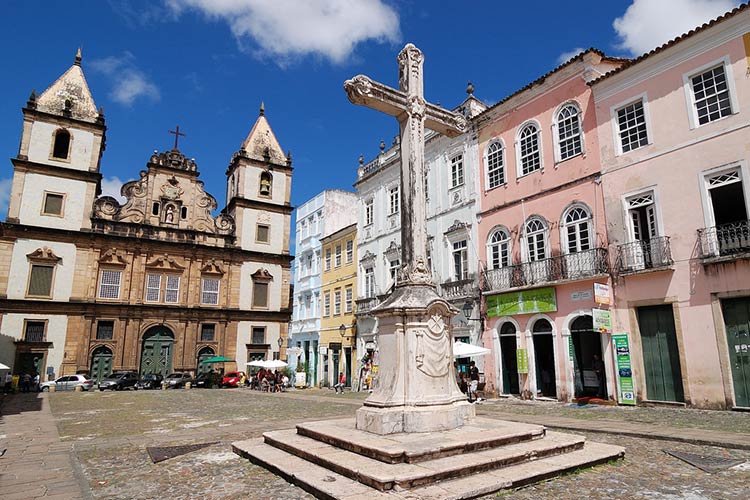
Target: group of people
x=27 y=382
x=468 y=382
x=269 y=381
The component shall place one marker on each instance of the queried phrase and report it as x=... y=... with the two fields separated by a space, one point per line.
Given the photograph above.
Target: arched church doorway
x=156 y=355
x=588 y=366
x=508 y=357
x=544 y=358
x=101 y=363
x=203 y=354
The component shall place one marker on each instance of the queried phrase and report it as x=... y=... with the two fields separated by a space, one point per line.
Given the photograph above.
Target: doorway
x=544 y=359
x=661 y=359
x=508 y=358
x=737 y=323
x=156 y=356
x=101 y=363
x=729 y=212
x=31 y=363
x=348 y=365
x=588 y=359
x=202 y=366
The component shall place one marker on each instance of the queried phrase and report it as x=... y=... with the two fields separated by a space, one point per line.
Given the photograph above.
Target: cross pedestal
x=416 y=389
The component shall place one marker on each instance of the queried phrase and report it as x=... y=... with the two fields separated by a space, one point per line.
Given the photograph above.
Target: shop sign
x=625 y=387
x=602 y=320
x=539 y=300
x=601 y=293
x=522 y=361
x=571 y=351
x=580 y=295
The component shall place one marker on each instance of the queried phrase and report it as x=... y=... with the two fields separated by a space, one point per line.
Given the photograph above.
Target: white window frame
x=205 y=293
x=525 y=242
x=625 y=200
x=393 y=267
x=337 y=256
x=369 y=282
x=327 y=304
x=616 y=127
x=337 y=302
x=490 y=245
x=556 y=131
x=457 y=170
x=690 y=95
x=348 y=299
x=349 y=251
x=463 y=253
x=369 y=211
x=503 y=162
x=708 y=211
x=118 y=272
x=174 y=290
x=519 y=160
x=394 y=200
x=327 y=259
x=150 y=288
x=564 y=236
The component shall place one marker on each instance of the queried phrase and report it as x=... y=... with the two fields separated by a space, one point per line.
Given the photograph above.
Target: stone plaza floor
x=93 y=445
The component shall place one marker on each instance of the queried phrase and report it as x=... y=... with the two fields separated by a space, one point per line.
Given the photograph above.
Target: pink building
x=542 y=223
x=673 y=140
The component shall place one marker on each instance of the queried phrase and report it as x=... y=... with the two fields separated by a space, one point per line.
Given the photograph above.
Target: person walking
x=25 y=382
x=36 y=382
x=8 y=388
x=473 y=381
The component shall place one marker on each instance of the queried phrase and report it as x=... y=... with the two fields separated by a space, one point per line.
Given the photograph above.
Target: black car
x=204 y=380
x=119 y=381
x=149 y=381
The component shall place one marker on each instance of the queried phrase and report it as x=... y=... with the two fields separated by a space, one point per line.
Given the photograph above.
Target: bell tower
x=56 y=172
x=259 y=180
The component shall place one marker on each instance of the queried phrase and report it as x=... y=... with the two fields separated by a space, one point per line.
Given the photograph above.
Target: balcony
x=459 y=289
x=644 y=255
x=570 y=267
x=365 y=305
x=726 y=240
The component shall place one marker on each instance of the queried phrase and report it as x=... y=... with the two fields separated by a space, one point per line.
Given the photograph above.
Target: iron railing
x=573 y=266
x=724 y=240
x=34 y=337
x=365 y=305
x=459 y=289
x=641 y=255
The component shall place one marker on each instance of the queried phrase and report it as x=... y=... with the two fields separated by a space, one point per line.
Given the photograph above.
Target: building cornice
x=63 y=120
x=24 y=165
x=237 y=202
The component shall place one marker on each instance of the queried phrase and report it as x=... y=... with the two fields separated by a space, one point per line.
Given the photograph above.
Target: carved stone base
x=414 y=418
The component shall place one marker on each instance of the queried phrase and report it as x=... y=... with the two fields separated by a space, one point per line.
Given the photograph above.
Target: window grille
x=711 y=94
x=631 y=121
x=109 y=285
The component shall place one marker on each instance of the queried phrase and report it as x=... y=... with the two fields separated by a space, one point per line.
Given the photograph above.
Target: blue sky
x=207 y=65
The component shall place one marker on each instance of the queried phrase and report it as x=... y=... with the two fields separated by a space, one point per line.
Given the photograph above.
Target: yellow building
x=339 y=291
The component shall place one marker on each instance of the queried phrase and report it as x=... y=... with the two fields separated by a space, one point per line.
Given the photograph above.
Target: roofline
x=632 y=62
x=341 y=232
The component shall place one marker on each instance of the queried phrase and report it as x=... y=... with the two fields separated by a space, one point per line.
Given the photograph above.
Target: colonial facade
x=452 y=187
x=320 y=216
x=154 y=284
x=338 y=292
x=541 y=224
x=673 y=135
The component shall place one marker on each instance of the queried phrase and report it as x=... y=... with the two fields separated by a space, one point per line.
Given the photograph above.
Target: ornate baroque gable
x=113 y=257
x=262 y=275
x=44 y=254
x=165 y=263
x=212 y=267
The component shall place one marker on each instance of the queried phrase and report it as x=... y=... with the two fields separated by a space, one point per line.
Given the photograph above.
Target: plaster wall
x=20 y=268
x=274 y=286
x=81 y=151
x=244 y=337
x=74 y=192
x=11 y=328
x=277 y=223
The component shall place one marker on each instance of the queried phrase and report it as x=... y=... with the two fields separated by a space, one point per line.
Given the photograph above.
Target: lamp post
x=467 y=308
x=342 y=331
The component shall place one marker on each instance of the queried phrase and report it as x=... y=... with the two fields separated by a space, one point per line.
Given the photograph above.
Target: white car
x=68 y=383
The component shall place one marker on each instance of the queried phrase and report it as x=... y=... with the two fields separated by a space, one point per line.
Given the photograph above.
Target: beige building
x=156 y=283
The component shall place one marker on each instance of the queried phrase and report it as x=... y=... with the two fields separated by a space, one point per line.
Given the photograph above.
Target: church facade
x=154 y=284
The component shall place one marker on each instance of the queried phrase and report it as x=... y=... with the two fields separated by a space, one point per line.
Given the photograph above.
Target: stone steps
x=384 y=477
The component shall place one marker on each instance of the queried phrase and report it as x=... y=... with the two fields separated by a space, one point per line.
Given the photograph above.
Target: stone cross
x=413 y=114
x=177 y=135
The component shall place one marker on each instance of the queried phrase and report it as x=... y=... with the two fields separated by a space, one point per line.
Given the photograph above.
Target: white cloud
x=128 y=81
x=5 y=185
x=284 y=29
x=111 y=187
x=567 y=56
x=648 y=24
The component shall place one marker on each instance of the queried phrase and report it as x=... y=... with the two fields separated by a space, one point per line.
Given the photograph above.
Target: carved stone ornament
x=357 y=88
x=225 y=224
x=393 y=251
x=420 y=274
x=44 y=254
x=165 y=262
x=458 y=226
x=416 y=107
x=212 y=267
x=262 y=275
x=113 y=257
x=264 y=217
x=368 y=258
x=433 y=358
x=106 y=207
x=173 y=159
x=172 y=190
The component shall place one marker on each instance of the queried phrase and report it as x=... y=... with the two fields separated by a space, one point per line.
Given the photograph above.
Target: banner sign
x=522 y=361
x=602 y=320
x=601 y=293
x=539 y=300
x=625 y=387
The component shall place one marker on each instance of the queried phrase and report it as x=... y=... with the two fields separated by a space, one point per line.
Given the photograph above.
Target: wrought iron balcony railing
x=365 y=305
x=34 y=337
x=724 y=240
x=640 y=255
x=569 y=267
x=459 y=289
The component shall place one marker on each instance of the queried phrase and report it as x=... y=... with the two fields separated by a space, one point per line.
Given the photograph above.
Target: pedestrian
x=474 y=380
x=341 y=383
x=36 y=382
x=8 y=383
x=25 y=382
x=598 y=366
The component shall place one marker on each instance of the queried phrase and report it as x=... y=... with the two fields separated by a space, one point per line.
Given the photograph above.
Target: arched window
x=568 y=130
x=495 y=165
x=498 y=248
x=542 y=326
x=508 y=328
x=535 y=232
x=61 y=148
x=577 y=229
x=530 y=150
x=265 y=184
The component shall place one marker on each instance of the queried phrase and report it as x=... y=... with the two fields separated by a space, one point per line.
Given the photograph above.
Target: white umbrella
x=258 y=362
x=276 y=363
x=464 y=350
x=4 y=367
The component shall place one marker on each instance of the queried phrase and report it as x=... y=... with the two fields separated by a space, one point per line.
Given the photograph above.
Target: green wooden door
x=661 y=358
x=737 y=322
x=156 y=356
x=101 y=363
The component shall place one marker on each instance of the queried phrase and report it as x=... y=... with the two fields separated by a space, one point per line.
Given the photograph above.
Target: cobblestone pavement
x=110 y=431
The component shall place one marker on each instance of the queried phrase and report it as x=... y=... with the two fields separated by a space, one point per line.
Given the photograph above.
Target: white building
x=322 y=215
x=452 y=187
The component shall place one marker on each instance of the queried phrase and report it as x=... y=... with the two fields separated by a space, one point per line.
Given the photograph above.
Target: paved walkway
x=36 y=463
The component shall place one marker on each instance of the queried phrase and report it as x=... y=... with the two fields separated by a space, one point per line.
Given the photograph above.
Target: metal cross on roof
x=177 y=135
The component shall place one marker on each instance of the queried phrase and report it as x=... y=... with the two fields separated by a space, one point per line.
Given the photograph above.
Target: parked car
x=177 y=380
x=149 y=381
x=232 y=379
x=68 y=383
x=204 y=380
x=118 y=381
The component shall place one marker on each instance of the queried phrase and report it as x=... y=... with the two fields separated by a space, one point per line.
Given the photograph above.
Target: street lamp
x=467 y=308
x=342 y=330
x=280 y=341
